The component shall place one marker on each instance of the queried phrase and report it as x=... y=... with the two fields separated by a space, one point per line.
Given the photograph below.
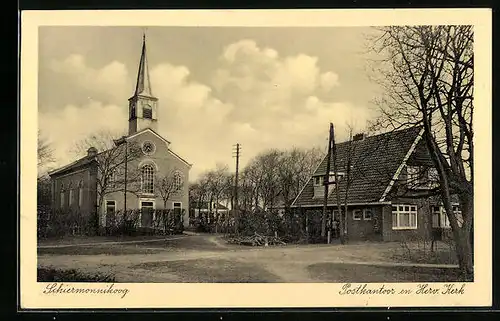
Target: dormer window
x=318 y=182
x=421 y=177
x=147 y=112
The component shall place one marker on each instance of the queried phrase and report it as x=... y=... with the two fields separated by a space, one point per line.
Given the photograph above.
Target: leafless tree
x=427 y=74
x=45 y=153
x=167 y=185
x=217 y=184
x=113 y=154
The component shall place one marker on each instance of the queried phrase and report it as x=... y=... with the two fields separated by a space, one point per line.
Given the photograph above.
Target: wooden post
x=236 y=204
x=307 y=226
x=326 y=182
x=339 y=205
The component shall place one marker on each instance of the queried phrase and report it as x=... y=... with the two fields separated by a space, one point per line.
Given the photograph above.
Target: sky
x=262 y=87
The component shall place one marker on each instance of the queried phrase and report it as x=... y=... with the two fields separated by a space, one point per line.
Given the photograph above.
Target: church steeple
x=143 y=105
x=143 y=85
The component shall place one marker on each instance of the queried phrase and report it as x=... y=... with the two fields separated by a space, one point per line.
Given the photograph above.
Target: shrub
x=59 y=223
x=57 y=275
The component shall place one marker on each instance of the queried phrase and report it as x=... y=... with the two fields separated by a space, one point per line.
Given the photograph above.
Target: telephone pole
x=339 y=203
x=326 y=182
x=236 y=154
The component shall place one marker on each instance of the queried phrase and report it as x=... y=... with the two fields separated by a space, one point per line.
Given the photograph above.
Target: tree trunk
x=464 y=252
x=463 y=236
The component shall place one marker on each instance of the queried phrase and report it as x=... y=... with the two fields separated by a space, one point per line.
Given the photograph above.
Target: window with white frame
x=147 y=179
x=440 y=219
x=404 y=217
x=357 y=214
x=367 y=214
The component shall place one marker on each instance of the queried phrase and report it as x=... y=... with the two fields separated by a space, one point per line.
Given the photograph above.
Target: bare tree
x=167 y=185
x=113 y=154
x=217 y=184
x=45 y=153
x=427 y=74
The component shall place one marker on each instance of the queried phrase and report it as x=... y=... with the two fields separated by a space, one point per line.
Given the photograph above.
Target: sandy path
x=288 y=262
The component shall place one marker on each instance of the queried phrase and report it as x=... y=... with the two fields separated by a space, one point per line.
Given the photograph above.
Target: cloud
x=66 y=127
x=261 y=84
x=256 y=97
x=110 y=83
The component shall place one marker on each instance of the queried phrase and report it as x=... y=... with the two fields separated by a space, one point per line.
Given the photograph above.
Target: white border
x=187 y=295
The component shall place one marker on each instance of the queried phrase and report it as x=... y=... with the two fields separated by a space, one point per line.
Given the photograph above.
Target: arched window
x=80 y=193
x=62 y=196
x=70 y=198
x=147 y=179
x=147 y=112
x=177 y=181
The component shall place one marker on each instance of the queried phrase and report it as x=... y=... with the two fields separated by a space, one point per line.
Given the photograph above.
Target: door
x=110 y=213
x=147 y=209
x=177 y=207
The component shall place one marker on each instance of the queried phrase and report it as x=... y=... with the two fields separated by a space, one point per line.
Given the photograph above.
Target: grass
x=213 y=271
x=96 y=250
x=341 y=273
x=56 y=275
x=420 y=256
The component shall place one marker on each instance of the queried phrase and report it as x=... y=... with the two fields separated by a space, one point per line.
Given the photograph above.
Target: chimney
x=359 y=136
x=91 y=152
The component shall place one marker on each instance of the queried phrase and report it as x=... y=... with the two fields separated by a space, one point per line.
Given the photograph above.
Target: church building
x=139 y=172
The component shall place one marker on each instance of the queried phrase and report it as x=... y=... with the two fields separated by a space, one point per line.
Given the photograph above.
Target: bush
x=57 y=275
x=58 y=223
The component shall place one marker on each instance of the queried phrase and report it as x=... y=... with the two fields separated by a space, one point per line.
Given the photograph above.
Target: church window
x=147 y=112
x=147 y=179
x=70 y=198
x=177 y=180
x=62 y=196
x=80 y=193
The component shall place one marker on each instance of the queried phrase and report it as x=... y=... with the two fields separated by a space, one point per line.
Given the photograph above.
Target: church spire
x=143 y=86
x=143 y=106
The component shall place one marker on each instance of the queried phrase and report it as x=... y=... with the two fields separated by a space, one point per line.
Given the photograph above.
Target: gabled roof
x=375 y=162
x=162 y=139
x=86 y=160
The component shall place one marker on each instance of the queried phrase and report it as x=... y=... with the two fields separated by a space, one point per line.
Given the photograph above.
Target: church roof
x=78 y=164
x=143 y=85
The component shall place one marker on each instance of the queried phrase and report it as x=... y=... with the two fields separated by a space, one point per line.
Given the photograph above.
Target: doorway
x=147 y=209
x=110 y=214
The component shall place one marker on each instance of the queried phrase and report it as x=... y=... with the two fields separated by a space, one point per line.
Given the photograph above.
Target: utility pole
x=118 y=142
x=125 y=181
x=326 y=182
x=339 y=205
x=236 y=204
